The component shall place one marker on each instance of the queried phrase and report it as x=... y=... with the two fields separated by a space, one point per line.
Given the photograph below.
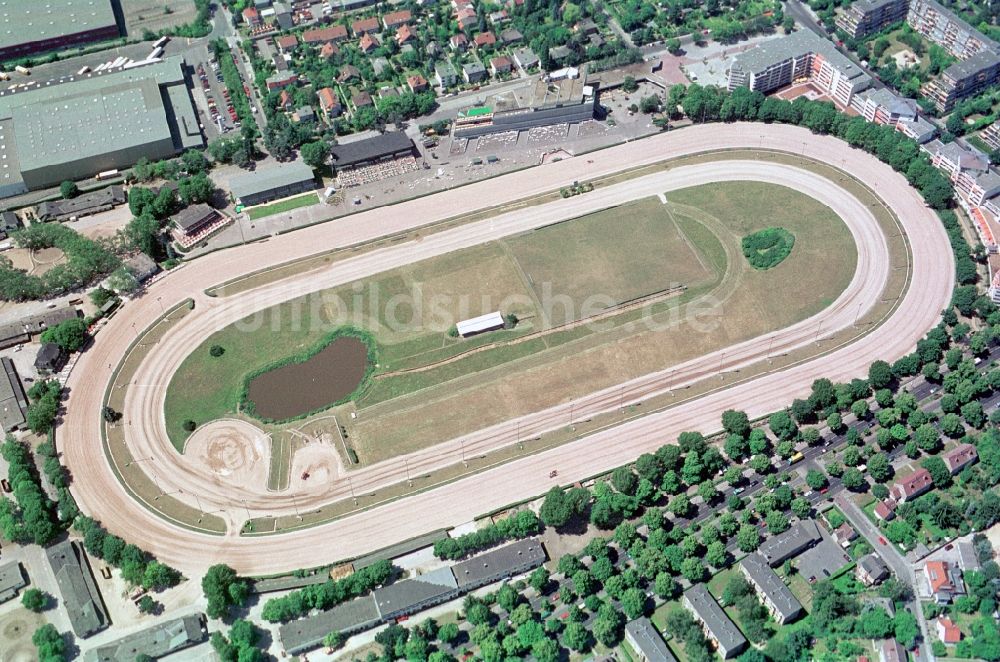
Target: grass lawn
x=659 y=619
x=629 y=252
x=801 y=589
x=288 y=204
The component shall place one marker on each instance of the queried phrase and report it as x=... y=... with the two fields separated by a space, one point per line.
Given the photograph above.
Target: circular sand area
x=237 y=452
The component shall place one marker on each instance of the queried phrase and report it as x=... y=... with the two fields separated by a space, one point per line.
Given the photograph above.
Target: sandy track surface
x=235 y=452
x=100 y=494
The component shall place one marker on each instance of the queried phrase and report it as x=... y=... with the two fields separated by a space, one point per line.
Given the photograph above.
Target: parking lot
x=211 y=96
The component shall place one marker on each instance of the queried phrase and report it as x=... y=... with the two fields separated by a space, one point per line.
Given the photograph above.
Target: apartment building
x=945 y=28
x=722 y=632
x=777 y=597
x=800 y=57
x=865 y=17
x=968 y=169
x=884 y=107
x=963 y=80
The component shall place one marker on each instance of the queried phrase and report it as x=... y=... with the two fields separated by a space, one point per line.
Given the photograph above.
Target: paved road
x=900 y=568
x=101 y=495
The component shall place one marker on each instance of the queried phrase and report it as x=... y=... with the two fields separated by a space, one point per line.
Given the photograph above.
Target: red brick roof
x=404 y=34
x=959 y=456
x=884 y=510
x=917 y=482
x=327 y=98
x=485 y=39
x=286 y=42
x=365 y=25
x=416 y=82
x=937 y=576
x=396 y=18
x=333 y=33
x=948 y=631
x=367 y=43
x=329 y=50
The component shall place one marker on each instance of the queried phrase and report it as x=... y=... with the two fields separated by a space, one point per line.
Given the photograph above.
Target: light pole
x=247 y=509
x=295 y=505
x=204 y=515
x=142 y=459
x=466 y=464
x=406 y=462
x=350 y=486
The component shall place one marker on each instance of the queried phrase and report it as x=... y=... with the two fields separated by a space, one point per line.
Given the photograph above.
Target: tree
x=951 y=425
x=906 y=629
x=938 y=470
x=577 y=637
x=34 y=600
x=877 y=624
x=196 y=189
x=736 y=422
x=879 y=374
x=68 y=190
x=316 y=153
x=777 y=522
x=50 y=644
x=69 y=335
x=224 y=589
x=748 y=539
x=649 y=104
x=816 y=479
x=761 y=463
x=879 y=467
x=624 y=480
x=692 y=569
x=801 y=507
x=629 y=85
x=716 y=554
x=782 y=425
x=147 y=605
x=633 y=603
x=853 y=479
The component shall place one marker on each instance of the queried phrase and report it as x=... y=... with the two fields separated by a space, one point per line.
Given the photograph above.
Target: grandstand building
x=97 y=122
x=800 y=57
x=36 y=26
x=568 y=101
x=865 y=17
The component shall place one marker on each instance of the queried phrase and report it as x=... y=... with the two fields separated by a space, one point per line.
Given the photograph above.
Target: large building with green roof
x=97 y=122
x=36 y=26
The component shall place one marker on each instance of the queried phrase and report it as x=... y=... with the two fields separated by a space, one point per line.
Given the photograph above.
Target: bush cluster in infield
x=768 y=247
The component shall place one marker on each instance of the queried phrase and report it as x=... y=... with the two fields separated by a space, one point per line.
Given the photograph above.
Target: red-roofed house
x=334 y=33
x=416 y=83
x=367 y=43
x=885 y=510
x=459 y=42
x=287 y=43
x=393 y=20
x=328 y=50
x=404 y=35
x=959 y=457
x=912 y=486
x=329 y=103
x=945 y=580
x=484 y=39
x=947 y=631
x=844 y=534
x=285 y=101
x=466 y=17
x=501 y=65
x=251 y=16
x=364 y=26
